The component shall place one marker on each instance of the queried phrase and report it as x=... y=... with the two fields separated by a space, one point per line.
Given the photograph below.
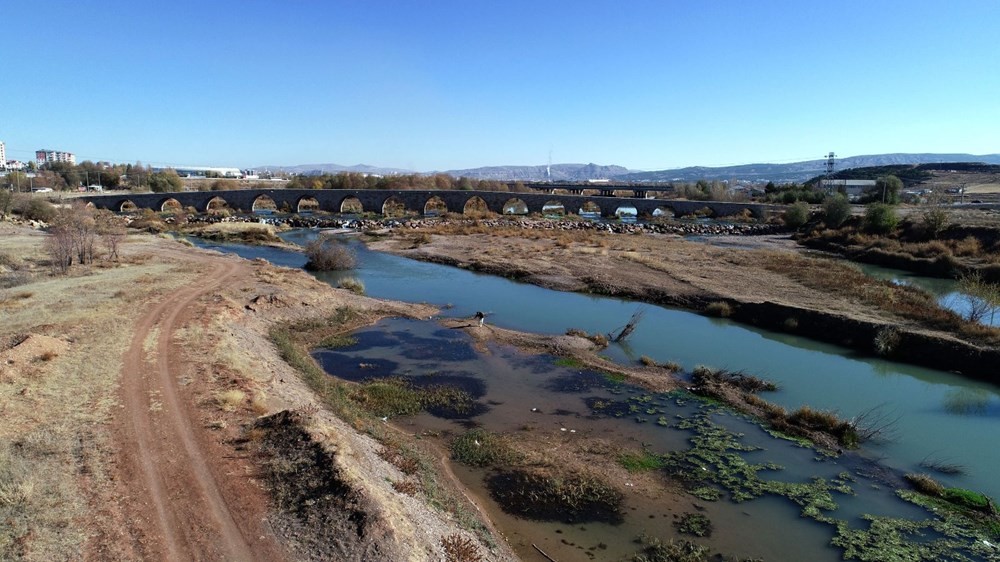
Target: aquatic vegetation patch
x=338 y=341
x=656 y=550
x=696 y=524
x=638 y=406
x=569 y=363
x=715 y=462
x=396 y=396
x=640 y=461
x=388 y=397
x=544 y=494
x=483 y=448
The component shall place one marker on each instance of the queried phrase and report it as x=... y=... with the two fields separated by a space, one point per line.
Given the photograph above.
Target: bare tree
x=72 y=234
x=983 y=296
x=111 y=229
x=59 y=246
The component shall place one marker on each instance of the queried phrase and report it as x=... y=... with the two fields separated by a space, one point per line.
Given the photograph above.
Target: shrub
x=880 y=218
x=836 y=210
x=37 y=209
x=722 y=309
x=935 y=221
x=886 y=340
x=460 y=549
x=329 y=255
x=353 y=284
x=796 y=215
x=925 y=484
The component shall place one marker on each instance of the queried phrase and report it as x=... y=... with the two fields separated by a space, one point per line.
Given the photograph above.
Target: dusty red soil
x=186 y=498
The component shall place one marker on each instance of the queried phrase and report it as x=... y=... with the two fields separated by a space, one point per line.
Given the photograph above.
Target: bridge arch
x=515 y=206
x=627 y=210
x=435 y=206
x=664 y=211
x=475 y=205
x=216 y=205
x=127 y=206
x=393 y=206
x=590 y=207
x=350 y=205
x=170 y=205
x=307 y=204
x=263 y=202
x=554 y=207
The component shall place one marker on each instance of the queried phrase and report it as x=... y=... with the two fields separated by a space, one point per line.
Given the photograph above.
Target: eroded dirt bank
x=776 y=286
x=149 y=416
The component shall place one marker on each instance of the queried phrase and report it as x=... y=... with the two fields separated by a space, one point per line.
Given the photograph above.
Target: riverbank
x=158 y=368
x=785 y=291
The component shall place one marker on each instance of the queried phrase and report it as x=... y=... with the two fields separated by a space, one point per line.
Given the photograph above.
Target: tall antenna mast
x=548 y=168
x=829 y=163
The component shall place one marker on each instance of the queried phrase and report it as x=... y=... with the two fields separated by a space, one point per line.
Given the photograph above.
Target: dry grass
x=230 y=400
x=902 y=301
x=55 y=421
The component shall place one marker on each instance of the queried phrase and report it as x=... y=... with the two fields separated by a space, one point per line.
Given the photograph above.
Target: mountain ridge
x=758 y=172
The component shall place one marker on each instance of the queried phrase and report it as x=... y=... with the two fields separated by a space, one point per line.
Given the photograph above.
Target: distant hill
x=317 y=169
x=800 y=171
x=560 y=172
x=915 y=174
x=780 y=173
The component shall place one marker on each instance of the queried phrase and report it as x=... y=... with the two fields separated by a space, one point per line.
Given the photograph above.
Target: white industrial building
x=853 y=189
x=202 y=171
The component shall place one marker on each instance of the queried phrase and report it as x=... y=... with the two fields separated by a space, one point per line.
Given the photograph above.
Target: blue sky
x=445 y=85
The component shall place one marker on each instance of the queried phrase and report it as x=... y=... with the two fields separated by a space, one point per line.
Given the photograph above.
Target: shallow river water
x=938 y=415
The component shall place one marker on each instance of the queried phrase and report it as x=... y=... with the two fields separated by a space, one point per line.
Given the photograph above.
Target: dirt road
x=184 y=502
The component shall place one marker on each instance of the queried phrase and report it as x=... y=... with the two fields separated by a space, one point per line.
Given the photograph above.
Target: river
x=937 y=415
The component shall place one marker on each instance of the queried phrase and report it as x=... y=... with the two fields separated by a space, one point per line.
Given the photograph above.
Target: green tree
x=888 y=189
x=16 y=181
x=165 y=181
x=880 y=218
x=796 y=215
x=6 y=202
x=935 y=220
x=836 y=210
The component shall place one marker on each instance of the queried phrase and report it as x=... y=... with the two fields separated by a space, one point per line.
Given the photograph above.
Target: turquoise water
x=937 y=415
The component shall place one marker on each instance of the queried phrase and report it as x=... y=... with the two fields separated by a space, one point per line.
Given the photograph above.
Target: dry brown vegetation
x=904 y=301
x=60 y=365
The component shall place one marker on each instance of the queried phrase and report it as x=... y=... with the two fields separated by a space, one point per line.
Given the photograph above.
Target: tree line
x=63 y=176
x=354 y=180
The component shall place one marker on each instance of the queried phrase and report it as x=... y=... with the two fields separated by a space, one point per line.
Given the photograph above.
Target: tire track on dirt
x=186 y=516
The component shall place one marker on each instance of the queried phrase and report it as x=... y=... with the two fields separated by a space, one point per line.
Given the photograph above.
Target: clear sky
x=434 y=85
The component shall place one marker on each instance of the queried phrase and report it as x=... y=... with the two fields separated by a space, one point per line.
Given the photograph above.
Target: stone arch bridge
x=377 y=201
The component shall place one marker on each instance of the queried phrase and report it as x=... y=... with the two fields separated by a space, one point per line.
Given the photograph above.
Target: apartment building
x=45 y=156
